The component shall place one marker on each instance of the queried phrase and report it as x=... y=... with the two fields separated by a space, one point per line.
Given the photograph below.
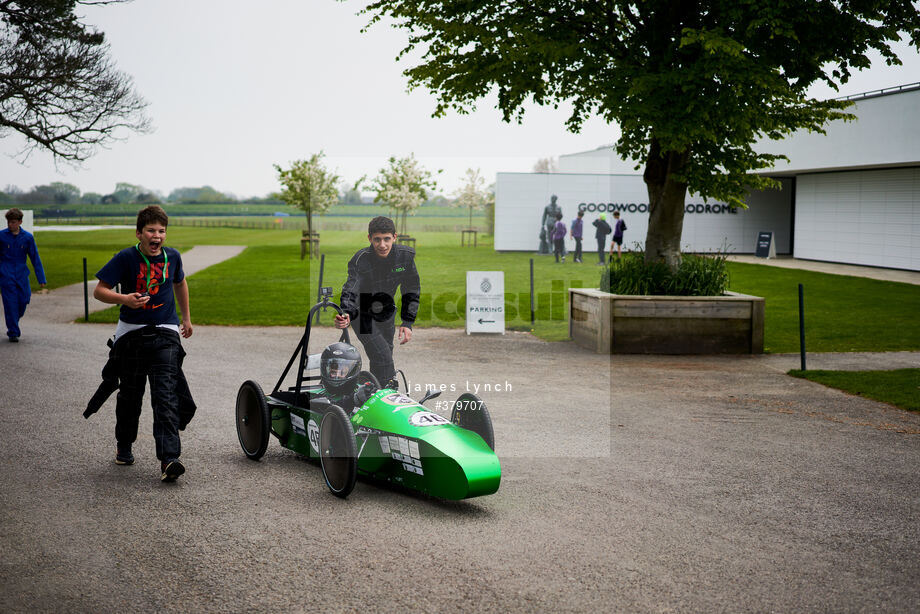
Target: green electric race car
x=389 y=437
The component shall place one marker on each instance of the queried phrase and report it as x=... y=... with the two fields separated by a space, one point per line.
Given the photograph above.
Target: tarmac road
x=660 y=484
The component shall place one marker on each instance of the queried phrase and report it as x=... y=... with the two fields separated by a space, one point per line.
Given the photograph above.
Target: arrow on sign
x=481 y=321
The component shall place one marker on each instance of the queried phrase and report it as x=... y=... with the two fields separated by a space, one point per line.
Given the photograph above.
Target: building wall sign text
x=643 y=207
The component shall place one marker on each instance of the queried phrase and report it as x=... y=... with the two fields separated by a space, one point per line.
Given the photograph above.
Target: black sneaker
x=123 y=455
x=171 y=470
x=14 y=339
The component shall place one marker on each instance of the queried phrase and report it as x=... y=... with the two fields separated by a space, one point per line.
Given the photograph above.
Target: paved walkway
x=843 y=361
x=787 y=262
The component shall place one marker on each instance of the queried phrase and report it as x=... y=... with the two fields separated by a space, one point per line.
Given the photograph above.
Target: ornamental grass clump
x=698 y=275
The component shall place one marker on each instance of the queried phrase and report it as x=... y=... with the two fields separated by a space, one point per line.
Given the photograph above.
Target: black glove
x=363 y=393
x=393 y=383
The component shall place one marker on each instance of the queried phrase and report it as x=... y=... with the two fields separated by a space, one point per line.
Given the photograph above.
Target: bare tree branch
x=58 y=88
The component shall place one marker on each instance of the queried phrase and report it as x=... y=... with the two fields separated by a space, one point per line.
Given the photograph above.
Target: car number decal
x=314 y=434
x=399 y=398
x=427 y=418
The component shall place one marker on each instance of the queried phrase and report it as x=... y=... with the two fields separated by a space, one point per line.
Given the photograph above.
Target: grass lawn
x=900 y=387
x=268 y=285
x=842 y=313
x=62 y=253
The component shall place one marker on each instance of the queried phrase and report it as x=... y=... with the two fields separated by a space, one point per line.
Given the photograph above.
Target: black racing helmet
x=339 y=367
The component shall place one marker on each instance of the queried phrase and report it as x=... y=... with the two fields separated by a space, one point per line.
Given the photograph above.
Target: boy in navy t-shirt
x=147 y=337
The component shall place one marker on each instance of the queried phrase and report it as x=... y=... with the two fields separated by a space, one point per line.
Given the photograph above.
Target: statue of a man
x=547 y=224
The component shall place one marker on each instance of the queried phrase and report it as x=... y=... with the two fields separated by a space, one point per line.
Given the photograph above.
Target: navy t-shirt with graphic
x=128 y=268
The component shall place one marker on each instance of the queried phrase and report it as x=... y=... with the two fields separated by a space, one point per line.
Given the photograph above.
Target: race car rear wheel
x=470 y=412
x=253 y=420
x=337 y=452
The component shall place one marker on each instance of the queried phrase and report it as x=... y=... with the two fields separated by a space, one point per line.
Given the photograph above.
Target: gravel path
x=632 y=484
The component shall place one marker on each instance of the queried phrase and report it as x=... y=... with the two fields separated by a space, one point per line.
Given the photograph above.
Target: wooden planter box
x=621 y=324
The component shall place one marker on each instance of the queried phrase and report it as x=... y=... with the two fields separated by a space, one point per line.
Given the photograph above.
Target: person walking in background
x=619 y=226
x=559 y=238
x=576 y=233
x=603 y=229
x=15 y=245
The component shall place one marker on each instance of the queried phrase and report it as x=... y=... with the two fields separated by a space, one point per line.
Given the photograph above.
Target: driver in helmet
x=340 y=365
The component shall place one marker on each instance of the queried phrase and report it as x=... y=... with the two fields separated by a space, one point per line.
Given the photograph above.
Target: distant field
x=121 y=210
x=233 y=209
x=427 y=218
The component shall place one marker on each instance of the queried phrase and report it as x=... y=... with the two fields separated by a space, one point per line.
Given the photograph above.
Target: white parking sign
x=485 y=302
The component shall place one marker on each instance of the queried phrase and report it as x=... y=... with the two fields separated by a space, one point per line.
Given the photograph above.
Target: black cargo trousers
x=155 y=354
x=377 y=339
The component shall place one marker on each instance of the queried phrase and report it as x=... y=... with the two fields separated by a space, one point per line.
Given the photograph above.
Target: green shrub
x=698 y=275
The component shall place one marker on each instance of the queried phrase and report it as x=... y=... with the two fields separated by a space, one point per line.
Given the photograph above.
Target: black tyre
x=470 y=412
x=366 y=376
x=253 y=420
x=337 y=452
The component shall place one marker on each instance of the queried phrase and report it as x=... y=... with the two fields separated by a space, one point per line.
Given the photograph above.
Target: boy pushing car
x=147 y=337
x=368 y=296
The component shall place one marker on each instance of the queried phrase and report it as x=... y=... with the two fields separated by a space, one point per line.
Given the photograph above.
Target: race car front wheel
x=337 y=452
x=253 y=420
x=470 y=412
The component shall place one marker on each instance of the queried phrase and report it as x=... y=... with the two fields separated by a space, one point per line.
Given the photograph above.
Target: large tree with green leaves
x=693 y=84
x=308 y=186
x=58 y=88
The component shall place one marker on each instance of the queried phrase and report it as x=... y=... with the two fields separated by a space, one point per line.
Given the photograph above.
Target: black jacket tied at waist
x=110 y=382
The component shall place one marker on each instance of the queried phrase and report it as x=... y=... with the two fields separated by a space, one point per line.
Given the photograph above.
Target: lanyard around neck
x=149 y=268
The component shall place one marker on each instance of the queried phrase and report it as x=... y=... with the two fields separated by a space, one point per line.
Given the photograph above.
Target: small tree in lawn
x=308 y=186
x=473 y=193
x=402 y=186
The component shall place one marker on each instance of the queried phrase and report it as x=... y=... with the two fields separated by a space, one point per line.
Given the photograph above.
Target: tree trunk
x=666 y=197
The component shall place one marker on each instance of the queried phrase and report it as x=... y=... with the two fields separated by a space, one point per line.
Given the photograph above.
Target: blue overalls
x=14 y=275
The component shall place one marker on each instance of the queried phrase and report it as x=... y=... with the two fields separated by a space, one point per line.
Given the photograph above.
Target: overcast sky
x=235 y=87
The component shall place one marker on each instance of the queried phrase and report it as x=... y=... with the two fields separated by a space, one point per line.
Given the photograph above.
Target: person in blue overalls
x=15 y=245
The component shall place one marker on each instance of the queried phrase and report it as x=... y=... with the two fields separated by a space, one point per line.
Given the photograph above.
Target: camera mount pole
x=802 y=324
x=319 y=290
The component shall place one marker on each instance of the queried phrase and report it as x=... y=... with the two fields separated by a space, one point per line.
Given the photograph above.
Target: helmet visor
x=338 y=369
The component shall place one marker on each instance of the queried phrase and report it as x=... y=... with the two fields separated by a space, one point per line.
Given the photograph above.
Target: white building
x=851 y=196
